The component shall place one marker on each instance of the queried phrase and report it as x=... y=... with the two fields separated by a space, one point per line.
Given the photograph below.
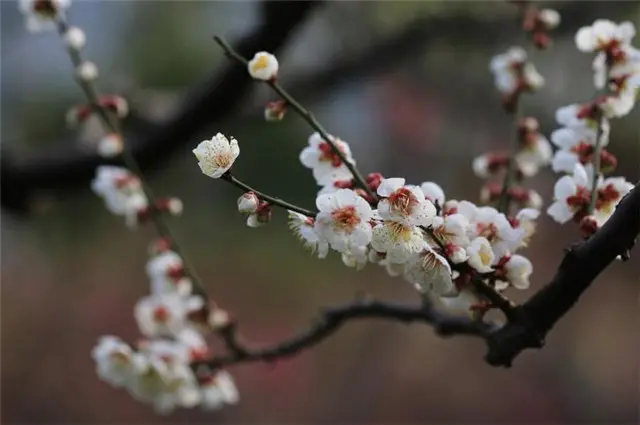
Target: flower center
x=487 y=230
x=485 y=257
x=398 y=231
x=161 y=314
x=261 y=63
x=46 y=8
x=329 y=155
x=346 y=218
x=402 y=201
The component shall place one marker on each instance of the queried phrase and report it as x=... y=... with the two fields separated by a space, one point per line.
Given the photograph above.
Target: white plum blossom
x=525 y=219
x=121 y=191
x=167 y=275
x=263 y=66
x=326 y=164
x=492 y=225
x=452 y=229
x=398 y=241
x=116 y=362
x=433 y=193
x=517 y=271
x=481 y=256
x=343 y=220
x=512 y=71
x=163 y=315
x=604 y=34
x=404 y=204
x=392 y=269
x=610 y=193
x=218 y=390
x=571 y=194
x=535 y=153
x=431 y=271
x=217 y=155
x=167 y=380
x=42 y=15
x=304 y=229
x=618 y=106
x=355 y=257
x=574 y=115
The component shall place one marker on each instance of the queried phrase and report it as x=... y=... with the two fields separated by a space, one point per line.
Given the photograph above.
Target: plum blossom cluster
x=173 y=322
x=176 y=316
x=437 y=245
x=584 y=194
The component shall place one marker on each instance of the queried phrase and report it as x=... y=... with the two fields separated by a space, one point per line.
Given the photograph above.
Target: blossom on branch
x=216 y=155
x=42 y=15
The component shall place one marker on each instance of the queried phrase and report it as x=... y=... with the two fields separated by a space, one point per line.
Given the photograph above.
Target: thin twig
x=597 y=149
x=228 y=177
x=306 y=115
x=110 y=123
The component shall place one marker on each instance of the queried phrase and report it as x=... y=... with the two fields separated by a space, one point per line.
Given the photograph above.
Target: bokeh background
x=407 y=85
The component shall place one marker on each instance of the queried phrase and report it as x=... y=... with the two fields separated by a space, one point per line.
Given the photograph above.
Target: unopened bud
x=87 y=71
x=261 y=217
x=588 y=226
x=159 y=246
x=248 y=203
x=275 y=111
x=110 y=145
x=374 y=180
x=75 y=39
x=219 y=319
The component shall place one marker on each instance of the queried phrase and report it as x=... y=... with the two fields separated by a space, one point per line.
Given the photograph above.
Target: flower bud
x=87 y=71
x=588 y=226
x=110 y=145
x=173 y=206
x=248 y=203
x=218 y=319
x=275 y=111
x=75 y=39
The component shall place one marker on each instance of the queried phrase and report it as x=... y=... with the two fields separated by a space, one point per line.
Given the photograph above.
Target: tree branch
x=527 y=326
x=333 y=318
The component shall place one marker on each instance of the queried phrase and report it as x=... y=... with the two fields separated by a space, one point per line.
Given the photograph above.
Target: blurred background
x=407 y=85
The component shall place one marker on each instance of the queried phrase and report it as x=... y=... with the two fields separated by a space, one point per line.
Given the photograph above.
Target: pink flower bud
x=275 y=111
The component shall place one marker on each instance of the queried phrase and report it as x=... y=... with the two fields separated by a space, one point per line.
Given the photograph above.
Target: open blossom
x=343 y=220
x=535 y=153
x=577 y=145
x=433 y=193
x=525 y=219
x=604 y=35
x=166 y=381
x=167 y=275
x=481 y=255
x=581 y=115
x=326 y=164
x=263 y=66
x=397 y=240
x=517 y=270
x=116 y=361
x=42 y=15
x=381 y=259
x=218 y=390
x=121 y=191
x=615 y=68
x=303 y=227
x=404 y=204
x=452 y=229
x=488 y=223
x=610 y=193
x=512 y=72
x=571 y=195
x=164 y=315
x=217 y=155
x=431 y=272
x=356 y=257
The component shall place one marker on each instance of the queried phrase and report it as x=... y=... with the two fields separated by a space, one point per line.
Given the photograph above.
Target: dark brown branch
x=582 y=263
x=332 y=319
x=527 y=325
